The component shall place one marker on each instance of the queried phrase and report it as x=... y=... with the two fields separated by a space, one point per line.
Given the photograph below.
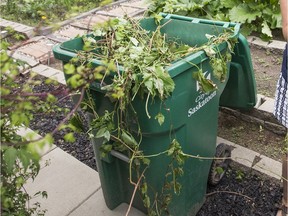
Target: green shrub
x=32 y=12
x=257 y=16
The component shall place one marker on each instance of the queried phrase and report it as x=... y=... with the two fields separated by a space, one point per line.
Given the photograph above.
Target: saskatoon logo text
x=201 y=100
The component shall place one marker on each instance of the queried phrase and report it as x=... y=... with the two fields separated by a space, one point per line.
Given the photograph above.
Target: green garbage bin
x=194 y=116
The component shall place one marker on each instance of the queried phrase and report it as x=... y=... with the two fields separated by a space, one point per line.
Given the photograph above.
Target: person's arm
x=284 y=13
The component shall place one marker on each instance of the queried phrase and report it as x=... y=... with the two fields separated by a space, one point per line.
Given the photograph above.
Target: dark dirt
x=46 y=122
x=267 y=65
x=242 y=192
x=252 y=136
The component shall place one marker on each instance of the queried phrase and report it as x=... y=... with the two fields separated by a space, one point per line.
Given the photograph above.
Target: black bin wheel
x=219 y=166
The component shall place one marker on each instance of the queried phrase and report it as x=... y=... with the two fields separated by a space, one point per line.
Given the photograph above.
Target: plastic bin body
x=192 y=114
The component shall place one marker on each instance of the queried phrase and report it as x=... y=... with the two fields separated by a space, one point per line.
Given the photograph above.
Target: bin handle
x=120 y=156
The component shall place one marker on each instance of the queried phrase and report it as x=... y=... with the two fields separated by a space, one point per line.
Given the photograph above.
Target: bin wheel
x=219 y=166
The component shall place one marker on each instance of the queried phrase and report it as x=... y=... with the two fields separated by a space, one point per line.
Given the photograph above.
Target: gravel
x=242 y=191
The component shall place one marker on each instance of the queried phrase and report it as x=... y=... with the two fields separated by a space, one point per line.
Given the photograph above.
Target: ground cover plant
x=257 y=16
x=31 y=12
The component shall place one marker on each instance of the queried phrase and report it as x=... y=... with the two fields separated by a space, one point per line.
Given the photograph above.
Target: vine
x=135 y=63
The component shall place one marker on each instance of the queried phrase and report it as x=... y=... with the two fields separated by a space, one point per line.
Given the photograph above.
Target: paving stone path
x=39 y=51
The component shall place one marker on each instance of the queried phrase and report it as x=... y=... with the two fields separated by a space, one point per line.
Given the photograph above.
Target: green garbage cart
x=194 y=116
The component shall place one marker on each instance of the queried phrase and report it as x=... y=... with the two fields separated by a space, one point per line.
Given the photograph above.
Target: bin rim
x=187 y=59
x=224 y=24
x=200 y=55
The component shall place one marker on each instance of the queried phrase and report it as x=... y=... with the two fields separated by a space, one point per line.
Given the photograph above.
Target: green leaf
x=51 y=98
x=19 y=181
x=205 y=84
x=100 y=132
x=10 y=156
x=247 y=29
x=160 y=118
x=77 y=123
x=25 y=158
x=128 y=139
x=242 y=13
x=171 y=151
x=159 y=85
x=106 y=148
x=147 y=201
x=266 y=30
x=75 y=81
x=69 y=137
x=69 y=68
x=144 y=188
x=230 y=3
x=219 y=170
x=146 y=161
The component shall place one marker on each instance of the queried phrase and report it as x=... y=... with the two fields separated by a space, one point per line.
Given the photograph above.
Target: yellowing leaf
x=160 y=118
x=266 y=30
x=134 y=41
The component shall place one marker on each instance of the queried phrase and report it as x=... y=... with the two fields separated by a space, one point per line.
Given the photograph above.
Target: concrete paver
x=49 y=72
x=70 y=32
x=269 y=167
x=275 y=44
x=136 y=4
x=24 y=29
x=40 y=50
x=32 y=135
x=90 y=21
x=259 y=42
x=268 y=105
x=30 y=61
x=33 y=52
x=122 y=10
x=239 y=153
x=67 y=181
x=95 y=205
x=246 y=157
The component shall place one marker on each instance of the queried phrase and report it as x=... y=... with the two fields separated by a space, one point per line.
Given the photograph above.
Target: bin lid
x=240 y=91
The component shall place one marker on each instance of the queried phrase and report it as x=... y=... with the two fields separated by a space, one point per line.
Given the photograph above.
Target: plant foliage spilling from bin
x=128 y=61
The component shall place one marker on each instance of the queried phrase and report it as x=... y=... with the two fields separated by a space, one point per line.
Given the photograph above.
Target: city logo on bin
x=203 y=98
